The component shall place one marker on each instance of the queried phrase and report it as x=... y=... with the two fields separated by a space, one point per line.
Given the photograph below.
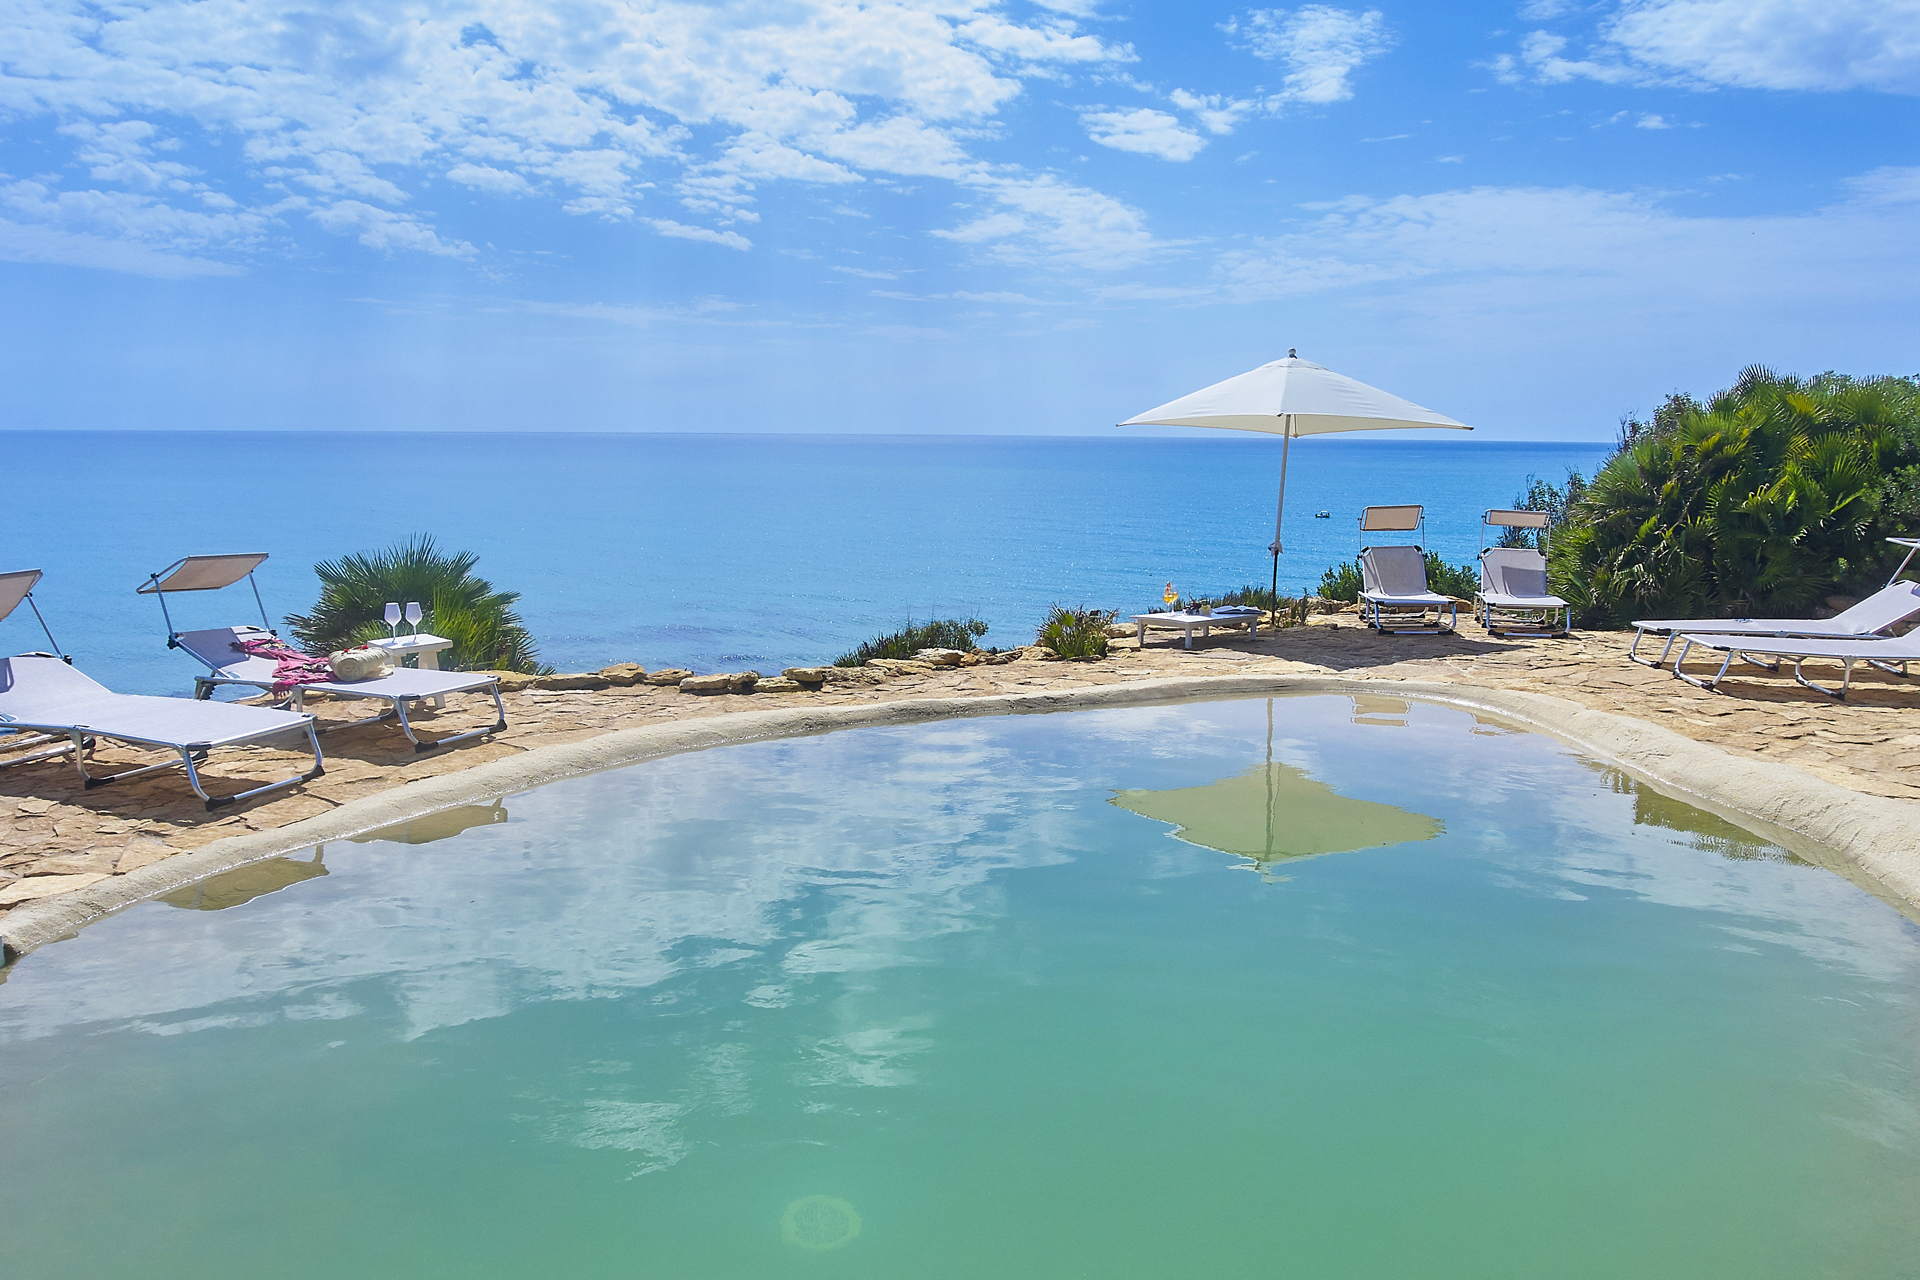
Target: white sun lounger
x=1886 y=608
x=44 y=696
x=219 y=650
x=1513 y=595
x=1394 y=597
x=228 y=664
x=1889 y=653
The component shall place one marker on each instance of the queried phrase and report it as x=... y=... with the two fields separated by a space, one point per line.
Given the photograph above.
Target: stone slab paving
x=56 y=837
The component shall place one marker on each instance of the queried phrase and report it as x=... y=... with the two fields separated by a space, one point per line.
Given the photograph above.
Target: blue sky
x=939 y=216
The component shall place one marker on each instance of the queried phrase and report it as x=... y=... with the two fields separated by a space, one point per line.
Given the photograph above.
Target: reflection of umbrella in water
x=244 y=884
x=1275 y=811
x=438 y=826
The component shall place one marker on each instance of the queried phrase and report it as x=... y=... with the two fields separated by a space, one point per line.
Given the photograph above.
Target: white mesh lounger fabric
x=1891 y=605
x=1513 y=594
x=1394 y=597
x=1889 y=653
x=44 y=693
x=219 y=648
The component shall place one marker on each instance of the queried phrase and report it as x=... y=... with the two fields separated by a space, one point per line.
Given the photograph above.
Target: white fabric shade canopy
x=1292 y=397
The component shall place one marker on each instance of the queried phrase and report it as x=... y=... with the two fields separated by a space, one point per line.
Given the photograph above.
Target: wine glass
x=414 y=614
x=392 y=615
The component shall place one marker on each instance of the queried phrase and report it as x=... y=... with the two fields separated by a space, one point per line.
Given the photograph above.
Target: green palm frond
x=487 y=633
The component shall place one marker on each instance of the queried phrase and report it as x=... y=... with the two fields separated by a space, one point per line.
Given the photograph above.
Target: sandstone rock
x=815 y=676
x=572 y=680
x=742 y=681
x=939 y=657
x=973 y=659
x=142 y=853
x=1320 y=604
x=705 y=684
x=623 y=673
x=1037 y=653
x=12 y=895
x=74 y=864
x=33 y=808
x=667 y=676
x=782 y=684
x=900 y=666
x=1121 y=630
x=1000 y=657
x=514 y=681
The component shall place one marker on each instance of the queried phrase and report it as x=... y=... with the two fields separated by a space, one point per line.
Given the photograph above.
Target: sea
x=713 y=552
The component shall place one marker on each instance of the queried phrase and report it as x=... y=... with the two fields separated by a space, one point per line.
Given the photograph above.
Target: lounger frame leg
x=190 y=757
x=1712 y=685
x=1666 y=650
x=498 y=726
x=34 y=740
x=1846 y=678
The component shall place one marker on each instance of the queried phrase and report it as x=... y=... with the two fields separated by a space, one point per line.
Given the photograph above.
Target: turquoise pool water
x=946 y=1001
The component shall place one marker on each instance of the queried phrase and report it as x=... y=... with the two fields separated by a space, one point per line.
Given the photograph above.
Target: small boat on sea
x=1323 y=515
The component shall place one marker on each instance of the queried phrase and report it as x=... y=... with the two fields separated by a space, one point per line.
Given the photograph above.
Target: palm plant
x=1766 y=499
x=487 y=633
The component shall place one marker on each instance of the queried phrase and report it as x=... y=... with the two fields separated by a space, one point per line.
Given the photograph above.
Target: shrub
x=941 y=633
x=1076 y=633
x=1543 y=495
x=1771 y=496
x=1342 y=581
x=487 y=633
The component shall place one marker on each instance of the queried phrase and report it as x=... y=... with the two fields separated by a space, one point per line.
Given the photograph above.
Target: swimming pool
x=1315 y=986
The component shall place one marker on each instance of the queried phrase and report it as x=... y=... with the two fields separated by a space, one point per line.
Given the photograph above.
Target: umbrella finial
x=1292 y=354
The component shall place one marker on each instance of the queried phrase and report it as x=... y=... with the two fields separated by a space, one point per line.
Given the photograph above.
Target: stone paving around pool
x=56 y=837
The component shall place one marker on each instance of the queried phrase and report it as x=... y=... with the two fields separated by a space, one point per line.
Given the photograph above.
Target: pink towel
x=291 y=667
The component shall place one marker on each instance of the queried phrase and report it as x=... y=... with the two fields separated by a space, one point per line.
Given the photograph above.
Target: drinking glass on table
x=392 y=616
x=414 y=614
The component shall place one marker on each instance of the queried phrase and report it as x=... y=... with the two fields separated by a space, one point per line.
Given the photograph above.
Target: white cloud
x=50 y=246
x=681 y=231
x=1572 y=250
x=1319 y=46
x=1816 y=45
x=604 y=108
x=1216 y=113
x=1048 y=220
x=385 y=230
x=501 y=182
x=1143 y=130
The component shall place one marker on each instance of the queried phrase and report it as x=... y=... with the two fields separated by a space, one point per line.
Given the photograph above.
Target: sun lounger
x=1889 y=653
x=43 y=693
x=1886 y=608
x=1513 y=595
x=1394 y=597
x=218 y=648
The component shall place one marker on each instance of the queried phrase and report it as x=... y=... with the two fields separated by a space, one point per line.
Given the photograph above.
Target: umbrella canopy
x=1293 y=397
x=1288 y=398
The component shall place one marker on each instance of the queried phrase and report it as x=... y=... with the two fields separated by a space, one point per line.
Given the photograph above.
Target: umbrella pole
x=1280 y=506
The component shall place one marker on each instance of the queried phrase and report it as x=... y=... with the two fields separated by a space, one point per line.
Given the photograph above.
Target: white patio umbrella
x=1289 y=398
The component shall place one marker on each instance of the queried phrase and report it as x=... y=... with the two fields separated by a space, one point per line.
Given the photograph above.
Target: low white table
x=425 y=649
x=1186 y=622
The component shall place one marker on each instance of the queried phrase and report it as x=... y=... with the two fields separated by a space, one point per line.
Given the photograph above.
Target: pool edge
x=1874 y=840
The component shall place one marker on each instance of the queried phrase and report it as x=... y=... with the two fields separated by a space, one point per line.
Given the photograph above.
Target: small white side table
x=426 y=650
x=1186 y=622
